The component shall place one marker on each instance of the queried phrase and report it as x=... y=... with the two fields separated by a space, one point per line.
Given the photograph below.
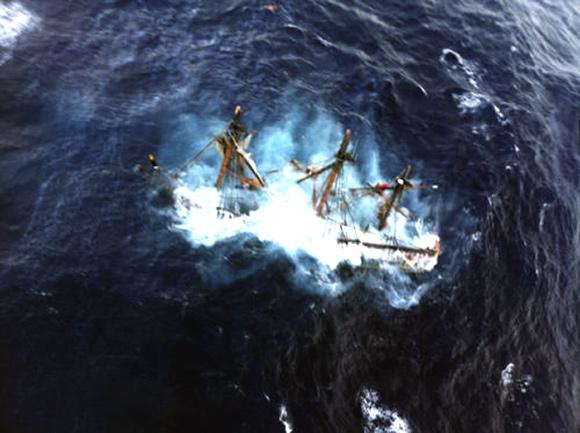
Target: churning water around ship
x=113 y=318
x=282 y=215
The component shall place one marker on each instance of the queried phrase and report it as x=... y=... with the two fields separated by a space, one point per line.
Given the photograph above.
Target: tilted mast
x=225 y=164
x=401 y=184
x=341 y=156
x=226 y=143
x=234 y=140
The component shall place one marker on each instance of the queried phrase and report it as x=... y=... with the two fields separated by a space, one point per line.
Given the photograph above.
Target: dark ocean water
x=112 y=322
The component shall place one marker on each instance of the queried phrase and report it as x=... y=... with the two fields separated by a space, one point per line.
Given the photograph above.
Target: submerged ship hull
x=421 y=257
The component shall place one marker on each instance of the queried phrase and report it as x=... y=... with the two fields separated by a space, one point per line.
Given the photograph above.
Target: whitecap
x=473 y=103
x=456 y=62
x=511 y=383
x=378 y=418
x=470 y=102
x=14 y=20
x=506 y=383
x=451 y=58
x=285 y=419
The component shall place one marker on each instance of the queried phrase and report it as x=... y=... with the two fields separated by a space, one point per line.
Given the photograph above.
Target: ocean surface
x=115 y=317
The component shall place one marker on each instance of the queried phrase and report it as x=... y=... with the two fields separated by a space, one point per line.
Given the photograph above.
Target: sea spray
x=283 y=213
x=14 y=20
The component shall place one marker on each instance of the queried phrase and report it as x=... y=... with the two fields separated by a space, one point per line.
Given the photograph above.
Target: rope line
x=194 y=157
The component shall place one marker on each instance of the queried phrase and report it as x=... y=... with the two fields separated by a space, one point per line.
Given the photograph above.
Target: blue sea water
x=112 y=321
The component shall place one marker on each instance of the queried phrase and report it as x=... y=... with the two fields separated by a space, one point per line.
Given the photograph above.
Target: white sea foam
x=469 y=68
x=288 y=221
x=378 y=418
x=507 y=382
x=285 y=419
x=14 y=20
x=474 y=101
x=470 y=102
x=283 y=215
x=512 y=383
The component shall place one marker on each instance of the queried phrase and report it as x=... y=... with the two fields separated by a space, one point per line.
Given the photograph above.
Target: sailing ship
x=238 y=180
x=336 y=204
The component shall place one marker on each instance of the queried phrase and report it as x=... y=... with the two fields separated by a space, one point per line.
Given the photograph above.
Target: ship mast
x=225 y=163
x=341 y=156
x=226 y=140
x=234 y=140
x=401 y=184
